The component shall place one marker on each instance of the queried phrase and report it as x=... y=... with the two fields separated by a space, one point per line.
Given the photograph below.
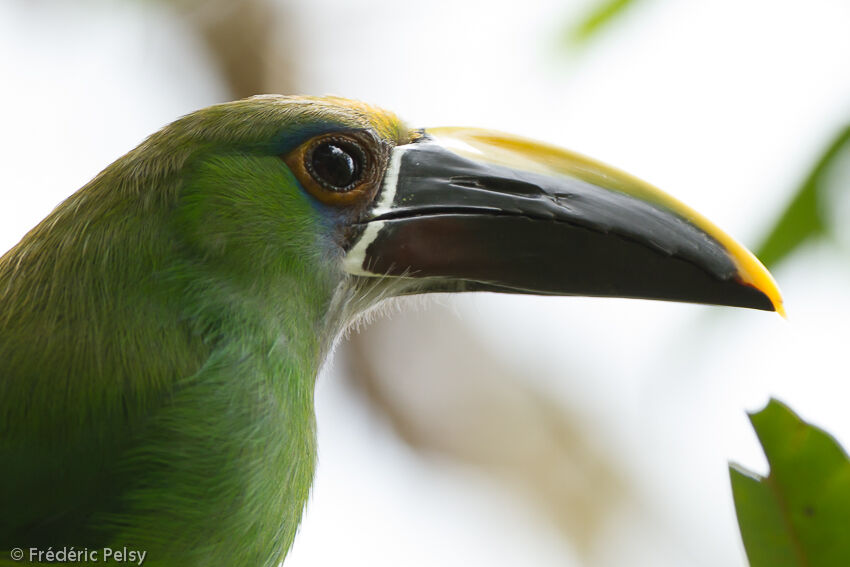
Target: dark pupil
x=335 y=165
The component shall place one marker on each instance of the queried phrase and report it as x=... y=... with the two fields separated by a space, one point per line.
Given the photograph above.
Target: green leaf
x=600 y=16
x=799 y=515
x=803 y=218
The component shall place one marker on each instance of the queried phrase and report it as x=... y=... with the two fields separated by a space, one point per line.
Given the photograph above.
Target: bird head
x=339 y=192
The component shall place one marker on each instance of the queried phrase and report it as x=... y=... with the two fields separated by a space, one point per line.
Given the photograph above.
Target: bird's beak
x=466 y=209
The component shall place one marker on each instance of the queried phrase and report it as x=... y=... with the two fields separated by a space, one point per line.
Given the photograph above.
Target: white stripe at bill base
x=388 y=187
x=354 y=261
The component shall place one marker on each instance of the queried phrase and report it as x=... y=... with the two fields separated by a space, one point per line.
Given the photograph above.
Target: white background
x=724 y=104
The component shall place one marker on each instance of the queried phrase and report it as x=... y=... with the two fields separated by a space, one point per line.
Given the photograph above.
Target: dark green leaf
x=799 y=515
x=599 y=16
x=803 y=218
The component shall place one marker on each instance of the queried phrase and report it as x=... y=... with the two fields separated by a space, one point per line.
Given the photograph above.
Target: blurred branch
x=446 y=393
x=244 y=38
x=599 y=17
x=803 y=218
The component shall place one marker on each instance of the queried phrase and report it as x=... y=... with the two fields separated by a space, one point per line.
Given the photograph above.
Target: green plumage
x=160 y=334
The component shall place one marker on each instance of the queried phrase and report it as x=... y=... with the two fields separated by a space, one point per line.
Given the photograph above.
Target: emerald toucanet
x=161 y=330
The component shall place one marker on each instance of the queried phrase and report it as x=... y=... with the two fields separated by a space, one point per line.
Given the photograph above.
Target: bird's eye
x=340 y=168
x=336 y=164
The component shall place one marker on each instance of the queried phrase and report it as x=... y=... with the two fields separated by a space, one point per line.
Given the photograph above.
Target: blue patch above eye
x=289 y=139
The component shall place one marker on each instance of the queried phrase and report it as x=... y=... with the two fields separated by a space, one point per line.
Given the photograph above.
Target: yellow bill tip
x=753 y=273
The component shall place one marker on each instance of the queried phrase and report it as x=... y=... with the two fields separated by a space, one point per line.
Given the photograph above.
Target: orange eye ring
x=338 y=169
